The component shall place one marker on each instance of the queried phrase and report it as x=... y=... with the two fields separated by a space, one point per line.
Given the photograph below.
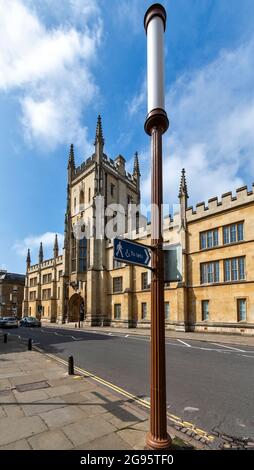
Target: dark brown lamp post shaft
x=156 y=124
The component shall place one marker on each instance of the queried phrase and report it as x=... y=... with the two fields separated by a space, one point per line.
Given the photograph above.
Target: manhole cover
x=32 y=386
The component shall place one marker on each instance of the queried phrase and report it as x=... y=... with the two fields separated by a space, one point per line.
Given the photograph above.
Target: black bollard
x=71 y=365
x=29 y=345
x=5 y=337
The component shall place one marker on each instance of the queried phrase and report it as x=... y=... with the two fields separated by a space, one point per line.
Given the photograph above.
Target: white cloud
x=212 y=127
x=129 y=15
x=138 y=100
x=51 y=67
x=33 y=243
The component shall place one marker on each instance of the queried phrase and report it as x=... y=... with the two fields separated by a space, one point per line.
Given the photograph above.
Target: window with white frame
x=144 y=281
x=209 y=239
x=241 y=310
x=167 y=310
x=117 y=311
x=143 y=310
x=210 y=272
x=233 y=233
x=46 y=294
x=32 y=295
x=234 y=269
x=205 y=310
x=117 y=284
x=33 y=281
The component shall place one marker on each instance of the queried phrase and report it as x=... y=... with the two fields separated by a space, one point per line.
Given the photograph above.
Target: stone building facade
x=11 y=294
x=216 y=292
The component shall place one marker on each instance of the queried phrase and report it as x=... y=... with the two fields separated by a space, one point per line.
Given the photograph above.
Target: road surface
x=208 y=384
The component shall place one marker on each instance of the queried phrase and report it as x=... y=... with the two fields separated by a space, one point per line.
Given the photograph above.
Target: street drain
x=32 y=386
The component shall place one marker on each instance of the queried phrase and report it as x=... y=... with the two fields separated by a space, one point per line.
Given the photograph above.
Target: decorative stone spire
x=183 y=196
x=183 y=191
x=99 y=133
x=136 y=171
x=28 y=259
x=41 y=254
x=56 y=248
x=71 y=161
x=71 y=164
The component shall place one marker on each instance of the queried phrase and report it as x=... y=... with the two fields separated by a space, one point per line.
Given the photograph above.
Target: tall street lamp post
x=155 y=125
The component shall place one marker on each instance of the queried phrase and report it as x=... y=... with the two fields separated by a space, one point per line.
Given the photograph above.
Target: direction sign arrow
x=132 y=253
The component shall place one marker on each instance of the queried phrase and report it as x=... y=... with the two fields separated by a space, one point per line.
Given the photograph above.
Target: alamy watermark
x=131 y=221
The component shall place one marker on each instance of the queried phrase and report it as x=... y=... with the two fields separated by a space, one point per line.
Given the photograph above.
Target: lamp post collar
x=155 y=10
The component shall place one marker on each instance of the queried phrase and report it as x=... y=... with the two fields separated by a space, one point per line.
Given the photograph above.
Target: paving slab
x=61 y=416
x=13 y=429
x=84 y=431
x=108 y=442
x=30 y=396
x=43 y=406
x=13 y=411
x=50 y=440
x=134 y=437
x=58 y=391
x=22 y=444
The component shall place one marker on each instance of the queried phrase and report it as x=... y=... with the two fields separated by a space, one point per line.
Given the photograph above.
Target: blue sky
x=64 y=61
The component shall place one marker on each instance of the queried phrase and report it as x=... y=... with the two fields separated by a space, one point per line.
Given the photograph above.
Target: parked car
x=30 y=322
x=9 y=322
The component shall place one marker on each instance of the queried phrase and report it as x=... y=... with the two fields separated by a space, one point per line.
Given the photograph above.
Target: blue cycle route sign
x=130 y=252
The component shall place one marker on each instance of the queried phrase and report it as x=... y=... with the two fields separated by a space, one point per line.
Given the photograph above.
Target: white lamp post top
x=155 y=25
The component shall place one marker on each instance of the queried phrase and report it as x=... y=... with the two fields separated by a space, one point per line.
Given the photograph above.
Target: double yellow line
x=145 y=403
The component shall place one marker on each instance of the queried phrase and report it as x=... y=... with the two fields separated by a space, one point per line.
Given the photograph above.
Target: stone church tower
x=84 y=283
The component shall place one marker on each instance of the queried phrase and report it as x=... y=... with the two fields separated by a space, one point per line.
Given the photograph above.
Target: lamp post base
x=153 y=443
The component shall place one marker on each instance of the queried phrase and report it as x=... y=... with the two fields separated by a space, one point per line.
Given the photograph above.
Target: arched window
x=82 y=255
x=81 y=197
x=73 y=254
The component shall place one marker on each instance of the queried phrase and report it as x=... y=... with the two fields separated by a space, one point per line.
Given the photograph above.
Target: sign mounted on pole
x=127 y=251
x=173 y=263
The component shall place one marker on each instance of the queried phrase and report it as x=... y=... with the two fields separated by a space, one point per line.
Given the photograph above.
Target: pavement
x=209 y=383
x=197 y=336
x=41 y=407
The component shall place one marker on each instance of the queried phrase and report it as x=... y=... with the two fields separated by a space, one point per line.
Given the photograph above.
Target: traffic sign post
x=127 y=251
x=155 y=125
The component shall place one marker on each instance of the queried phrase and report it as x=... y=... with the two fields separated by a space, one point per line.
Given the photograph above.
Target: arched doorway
x=76 y=308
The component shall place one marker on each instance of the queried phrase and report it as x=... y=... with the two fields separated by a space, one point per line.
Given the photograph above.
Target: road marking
x=123 y=392
x=191 y=408
x=126 y=336
x=228 y=347
x=186 y=344
x=245 y=355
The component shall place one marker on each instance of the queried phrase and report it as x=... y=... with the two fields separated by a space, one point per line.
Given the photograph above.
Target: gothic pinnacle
x=99 y=133
x=71 y=161
x=41 y=254
x=183 y=191
x=28 y=258
x=136 y=170
x=56 y=249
